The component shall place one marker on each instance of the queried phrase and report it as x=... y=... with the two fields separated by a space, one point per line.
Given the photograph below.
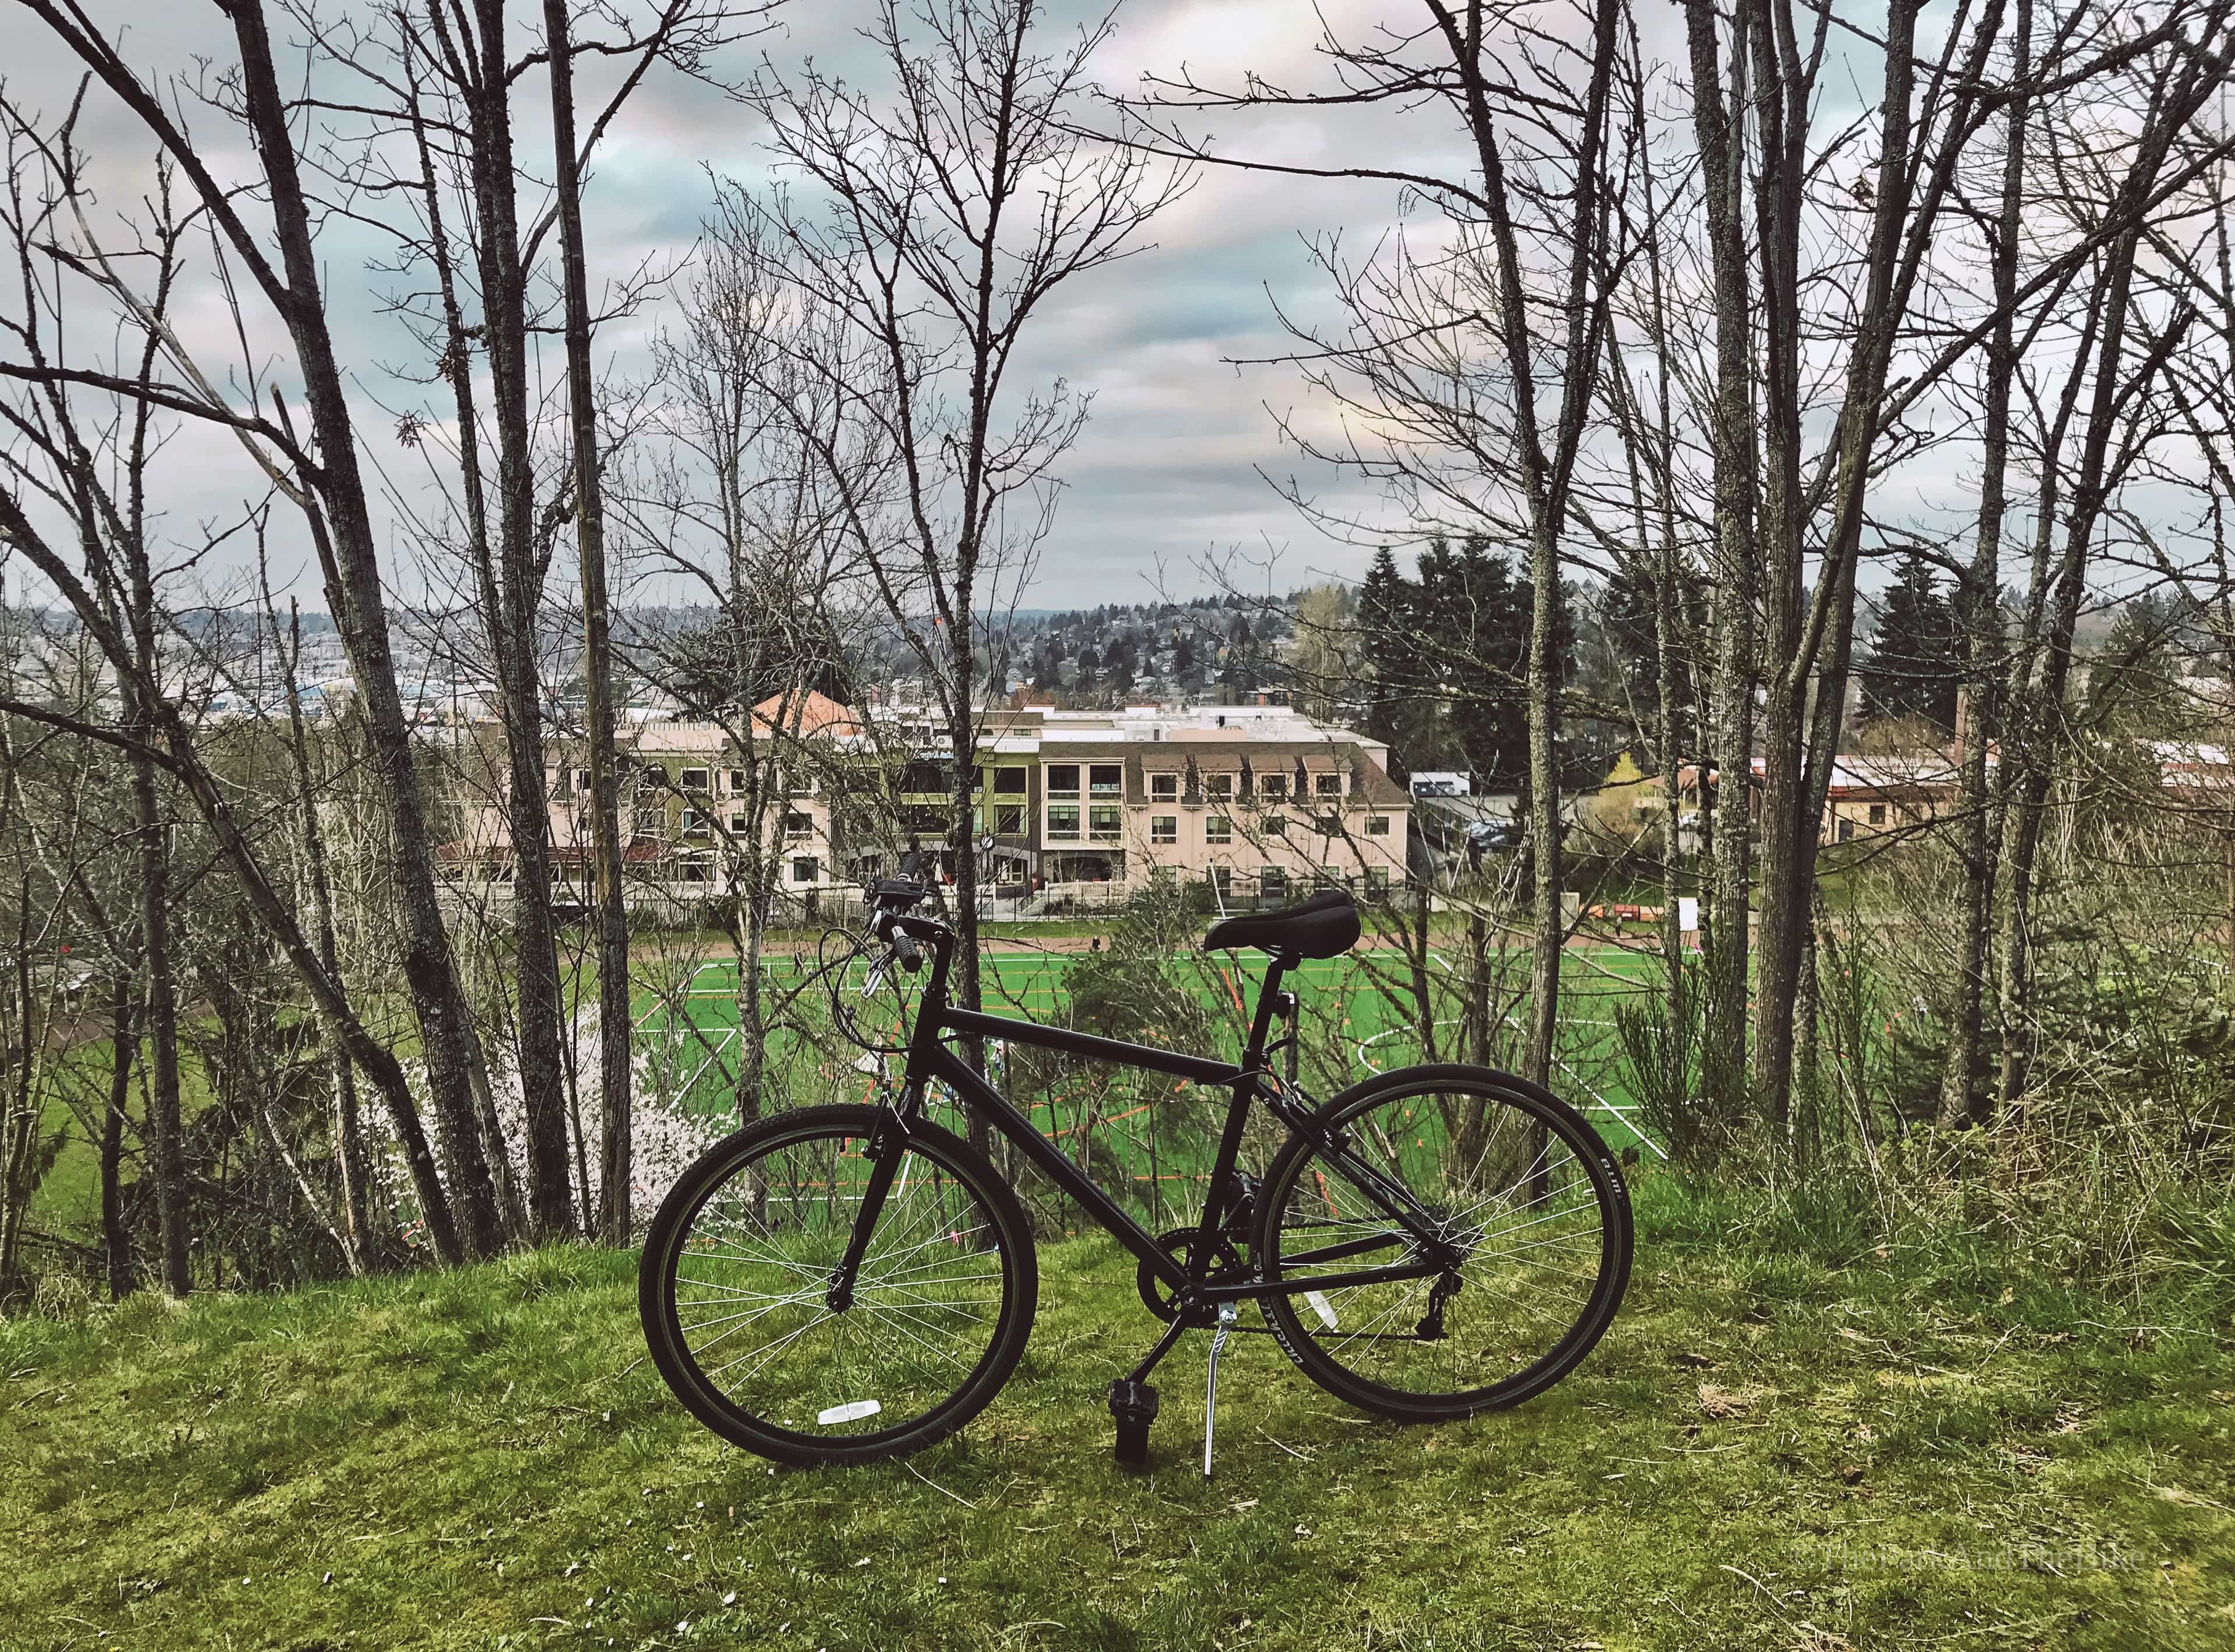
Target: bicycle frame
x=929 y=1057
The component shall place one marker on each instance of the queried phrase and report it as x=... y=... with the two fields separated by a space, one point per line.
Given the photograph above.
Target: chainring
x=1178 y=1243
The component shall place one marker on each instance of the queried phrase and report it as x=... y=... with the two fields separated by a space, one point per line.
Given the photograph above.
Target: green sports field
x=1360 y=1017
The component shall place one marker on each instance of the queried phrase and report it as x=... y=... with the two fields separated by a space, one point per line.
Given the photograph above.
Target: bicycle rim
x=763 y=1354
x=1517 y=1186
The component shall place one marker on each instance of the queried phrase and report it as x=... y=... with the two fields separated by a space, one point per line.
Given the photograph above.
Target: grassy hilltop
x=1790 y=1441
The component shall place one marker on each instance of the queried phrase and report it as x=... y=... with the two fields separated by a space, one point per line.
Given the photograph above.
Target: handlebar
x=889 y=901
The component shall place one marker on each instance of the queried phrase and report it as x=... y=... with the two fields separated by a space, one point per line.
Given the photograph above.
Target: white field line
x=1616 y=1109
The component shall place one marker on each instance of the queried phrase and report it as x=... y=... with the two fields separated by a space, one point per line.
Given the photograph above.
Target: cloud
x=1168 y=471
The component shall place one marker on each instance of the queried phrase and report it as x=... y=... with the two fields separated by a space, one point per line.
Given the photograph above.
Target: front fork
x=887 y=1142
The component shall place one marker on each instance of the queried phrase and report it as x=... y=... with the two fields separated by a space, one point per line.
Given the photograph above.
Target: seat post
x=1268 y=998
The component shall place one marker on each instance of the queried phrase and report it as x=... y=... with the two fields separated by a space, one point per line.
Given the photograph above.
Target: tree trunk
x=1780 y=104
x=511 y=612
x=124 y=1048
x=1479 y=1047
x=354 y=1206
x=1964 y=1093
x=963 y=836
x=19 y=1117
x=1723 y=1062
x=615 y=1217
x=351 y=557
x=166 y=1158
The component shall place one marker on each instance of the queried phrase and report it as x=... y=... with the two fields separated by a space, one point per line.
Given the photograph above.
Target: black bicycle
x=847 y=1283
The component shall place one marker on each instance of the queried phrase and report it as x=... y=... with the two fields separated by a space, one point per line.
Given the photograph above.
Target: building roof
x=817 y=714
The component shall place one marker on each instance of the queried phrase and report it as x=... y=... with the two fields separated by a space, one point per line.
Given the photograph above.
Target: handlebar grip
x=910 y=953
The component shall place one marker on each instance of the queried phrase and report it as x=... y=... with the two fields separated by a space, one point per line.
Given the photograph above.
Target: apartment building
x=1863 y=796
x=1070 y=808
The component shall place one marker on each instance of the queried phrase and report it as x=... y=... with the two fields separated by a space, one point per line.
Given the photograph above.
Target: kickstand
x=1228 y=1316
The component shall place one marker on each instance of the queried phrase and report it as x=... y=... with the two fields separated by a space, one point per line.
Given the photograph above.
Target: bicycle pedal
x=1133 y=1406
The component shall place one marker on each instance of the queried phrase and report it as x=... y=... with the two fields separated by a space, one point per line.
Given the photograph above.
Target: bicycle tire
x=783 y=1277
x=1331 y=1355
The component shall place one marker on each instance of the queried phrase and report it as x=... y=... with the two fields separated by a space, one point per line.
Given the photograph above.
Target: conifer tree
x=1911 y=671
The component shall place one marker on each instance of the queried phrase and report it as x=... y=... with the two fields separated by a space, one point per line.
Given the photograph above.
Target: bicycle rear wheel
x=734 y=1289
x=1520 y=1188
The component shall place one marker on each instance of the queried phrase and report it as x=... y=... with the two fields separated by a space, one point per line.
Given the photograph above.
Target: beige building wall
x=1082 y=809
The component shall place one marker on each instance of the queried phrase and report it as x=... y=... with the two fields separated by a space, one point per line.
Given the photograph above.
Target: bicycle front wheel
x=1520 y=1198
x=735 y=1290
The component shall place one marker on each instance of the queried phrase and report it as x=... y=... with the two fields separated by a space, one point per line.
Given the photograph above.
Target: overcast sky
x=1167 y=490
x=1166 y=485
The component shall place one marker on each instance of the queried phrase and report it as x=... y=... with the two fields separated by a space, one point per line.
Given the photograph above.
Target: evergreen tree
x=1484 y=614
x=1388 y=621
x=1913 y=669
x=2133 y=680
x=1627 y=613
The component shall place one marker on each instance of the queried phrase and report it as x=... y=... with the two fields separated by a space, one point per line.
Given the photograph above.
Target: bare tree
x=739 y=502
x=941 y=217
x=1472 y=367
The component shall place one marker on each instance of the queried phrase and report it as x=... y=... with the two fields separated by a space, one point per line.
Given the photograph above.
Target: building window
x=655 y=775
x=740 y=822
x=695 y=823
x=1009 y=820
x=694 y=780
x=1272 y=884
x=1063 y=780
x=1273 y=787
x=805 y=869
x=925 y=820
x=1377 y=882
x=1164 y=829
x=1326 y=785
x=1063 y=823
x=1218 y=828
x=798 y=825
x=1103 y=778
x=1218 y=788
x=694 y=871
x=736 y=781
x=1222 y=878
x=1377 y=825
x=1846 y=829
x=1163 y=788
x=1877 y=814
x=583 y=781
x=1008 y=782
x=1104 y=822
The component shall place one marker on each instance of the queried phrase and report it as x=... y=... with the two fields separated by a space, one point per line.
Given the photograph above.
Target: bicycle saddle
x=1326 y=926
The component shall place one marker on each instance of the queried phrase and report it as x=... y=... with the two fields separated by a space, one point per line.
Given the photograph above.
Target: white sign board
x=1687 y=914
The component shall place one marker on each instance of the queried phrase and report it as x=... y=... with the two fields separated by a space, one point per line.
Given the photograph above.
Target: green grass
x=1935 y=1447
